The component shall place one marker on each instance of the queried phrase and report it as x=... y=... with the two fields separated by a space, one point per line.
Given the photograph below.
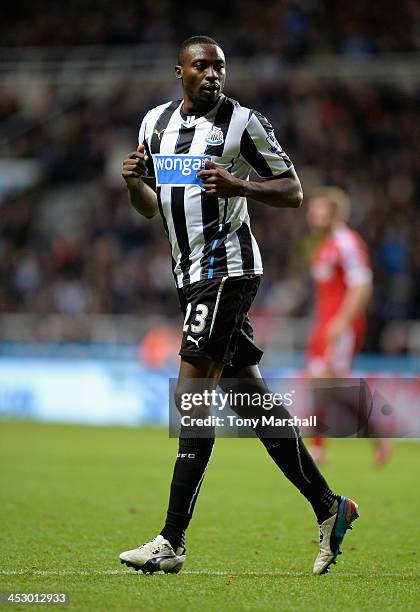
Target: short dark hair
x=194 y=40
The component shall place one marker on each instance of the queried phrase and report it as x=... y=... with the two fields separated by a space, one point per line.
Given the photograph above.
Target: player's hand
x=219 y=182
x=335 y=330
x=134 y=167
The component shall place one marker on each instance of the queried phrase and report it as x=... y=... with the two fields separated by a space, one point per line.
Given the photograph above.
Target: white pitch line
x=127 y=572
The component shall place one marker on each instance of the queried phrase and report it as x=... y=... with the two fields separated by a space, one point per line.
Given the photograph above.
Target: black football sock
x=289 y=451
x=293 y=458
x=296 y=463
x=190 y=468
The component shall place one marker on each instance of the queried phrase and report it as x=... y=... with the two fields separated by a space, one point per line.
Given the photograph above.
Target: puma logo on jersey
x=194 y=340
x=158 y=134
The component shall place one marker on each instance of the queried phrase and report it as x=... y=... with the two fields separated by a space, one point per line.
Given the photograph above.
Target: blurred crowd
x=70 y=242
x=293 y=28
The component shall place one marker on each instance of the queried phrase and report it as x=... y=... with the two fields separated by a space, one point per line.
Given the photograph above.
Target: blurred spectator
x=72 y=244
x=294 y=28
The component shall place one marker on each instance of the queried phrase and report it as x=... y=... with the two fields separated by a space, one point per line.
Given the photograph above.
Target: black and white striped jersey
x=210 y=237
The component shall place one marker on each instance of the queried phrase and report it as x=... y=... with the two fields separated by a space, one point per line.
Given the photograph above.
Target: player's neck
x=339 y=224
x=194 y=107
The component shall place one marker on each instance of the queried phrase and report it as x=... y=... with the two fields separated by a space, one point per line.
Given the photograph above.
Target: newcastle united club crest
x=215 y=136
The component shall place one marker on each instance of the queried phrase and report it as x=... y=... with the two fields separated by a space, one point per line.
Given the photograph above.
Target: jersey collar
x=192 y=121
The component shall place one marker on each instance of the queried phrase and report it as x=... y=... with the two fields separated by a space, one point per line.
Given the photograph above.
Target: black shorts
x=216 y=322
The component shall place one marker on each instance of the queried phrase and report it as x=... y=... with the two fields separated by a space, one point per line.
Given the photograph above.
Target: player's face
x=203 y=74
x=320 y=214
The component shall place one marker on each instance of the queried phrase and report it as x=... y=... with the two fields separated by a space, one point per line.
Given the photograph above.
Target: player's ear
x=178 y=72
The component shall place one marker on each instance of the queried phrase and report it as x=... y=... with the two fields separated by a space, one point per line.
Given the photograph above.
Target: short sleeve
x=355 y=261
x=260 y=148
x=142 y=139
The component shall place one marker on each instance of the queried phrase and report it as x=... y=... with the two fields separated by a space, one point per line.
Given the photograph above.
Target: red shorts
x=322 y=358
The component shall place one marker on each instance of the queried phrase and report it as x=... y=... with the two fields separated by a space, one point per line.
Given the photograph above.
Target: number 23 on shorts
x=197 y=324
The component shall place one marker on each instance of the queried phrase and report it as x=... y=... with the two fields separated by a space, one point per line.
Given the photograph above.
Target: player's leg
x=382 y=446
x=317 y=366
x=288 y=451
x=334 y=401
x=334 y=513
x=167 y=551
x=214 y=312
x=202 y=355
x=352 y=408
x=195 y=447
x=211 y=311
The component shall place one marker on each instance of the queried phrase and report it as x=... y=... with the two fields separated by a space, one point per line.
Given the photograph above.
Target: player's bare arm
x=141 y=194
x=356 y=298
x=277 y=192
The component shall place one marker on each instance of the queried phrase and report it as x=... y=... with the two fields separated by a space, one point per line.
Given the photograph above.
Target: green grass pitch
x=74 y=497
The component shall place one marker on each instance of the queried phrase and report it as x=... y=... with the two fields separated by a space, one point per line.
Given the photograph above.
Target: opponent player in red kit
x=343 y=281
